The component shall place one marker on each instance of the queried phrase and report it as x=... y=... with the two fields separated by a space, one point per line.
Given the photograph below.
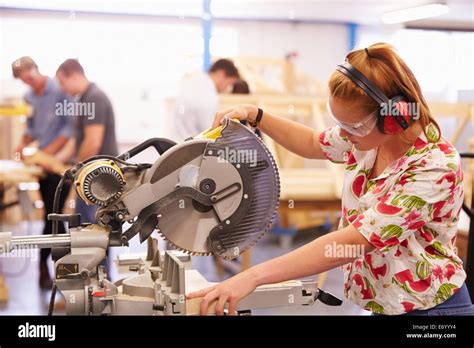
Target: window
x=441 y=60
x=138 y=63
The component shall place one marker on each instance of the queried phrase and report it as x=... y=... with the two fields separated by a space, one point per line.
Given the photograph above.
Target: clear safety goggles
x=359 y=129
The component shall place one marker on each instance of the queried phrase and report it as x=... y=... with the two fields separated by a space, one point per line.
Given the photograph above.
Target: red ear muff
x=395 y=117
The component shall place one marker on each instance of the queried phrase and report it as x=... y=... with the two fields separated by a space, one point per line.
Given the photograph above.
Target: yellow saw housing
x=213 y=133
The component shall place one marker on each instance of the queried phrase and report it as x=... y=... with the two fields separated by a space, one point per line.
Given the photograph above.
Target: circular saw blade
x=187 y=223
x=185 y=227
x=237 y=222
x=262 y=180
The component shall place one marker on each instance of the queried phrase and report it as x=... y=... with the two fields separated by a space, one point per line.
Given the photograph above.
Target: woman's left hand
x=232 y=291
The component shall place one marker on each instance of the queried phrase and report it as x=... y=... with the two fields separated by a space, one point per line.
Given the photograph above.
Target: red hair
x=384 y=68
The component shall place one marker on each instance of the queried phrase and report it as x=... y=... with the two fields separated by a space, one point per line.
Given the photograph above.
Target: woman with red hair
x=401 y=198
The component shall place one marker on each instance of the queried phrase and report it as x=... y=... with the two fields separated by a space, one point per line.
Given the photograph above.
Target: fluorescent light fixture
x=414 y=13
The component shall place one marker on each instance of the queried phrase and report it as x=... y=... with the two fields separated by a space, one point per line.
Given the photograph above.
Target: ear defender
x=394 y=114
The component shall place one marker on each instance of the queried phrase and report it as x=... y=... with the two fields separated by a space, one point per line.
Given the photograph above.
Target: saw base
x=160 y=289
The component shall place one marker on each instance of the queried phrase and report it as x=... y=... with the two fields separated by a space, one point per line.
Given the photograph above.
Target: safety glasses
x=359 y=129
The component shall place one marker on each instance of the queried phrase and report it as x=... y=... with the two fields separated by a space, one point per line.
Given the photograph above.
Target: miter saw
x=214 y=194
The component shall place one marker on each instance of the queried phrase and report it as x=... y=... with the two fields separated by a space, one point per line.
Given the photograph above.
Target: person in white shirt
x=197 y=101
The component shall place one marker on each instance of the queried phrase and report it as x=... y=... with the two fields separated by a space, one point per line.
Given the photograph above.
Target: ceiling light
x=414 y=13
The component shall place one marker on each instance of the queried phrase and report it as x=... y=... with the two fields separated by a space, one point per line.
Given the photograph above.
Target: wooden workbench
x=13 y=173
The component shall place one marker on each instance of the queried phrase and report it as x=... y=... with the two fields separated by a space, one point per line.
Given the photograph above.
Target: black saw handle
x=328 y=298
x=160 y=145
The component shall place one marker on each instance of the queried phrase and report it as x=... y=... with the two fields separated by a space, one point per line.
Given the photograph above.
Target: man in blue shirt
x=51 y=129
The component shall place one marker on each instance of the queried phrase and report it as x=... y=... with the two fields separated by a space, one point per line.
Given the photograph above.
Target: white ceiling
x=357 y=11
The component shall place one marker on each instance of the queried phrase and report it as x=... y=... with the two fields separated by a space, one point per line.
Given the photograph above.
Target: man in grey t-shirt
x=103 y=116
x=95 y=122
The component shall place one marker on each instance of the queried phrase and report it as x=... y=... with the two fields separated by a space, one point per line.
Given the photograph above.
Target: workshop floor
x=21 y=274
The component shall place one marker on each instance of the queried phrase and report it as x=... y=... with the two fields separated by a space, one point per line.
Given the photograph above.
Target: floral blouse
x=410 y=214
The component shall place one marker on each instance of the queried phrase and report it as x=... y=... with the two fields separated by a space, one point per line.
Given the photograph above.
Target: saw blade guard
x=237 y=169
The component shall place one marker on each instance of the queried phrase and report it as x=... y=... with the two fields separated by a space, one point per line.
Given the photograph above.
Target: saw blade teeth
x=188 y=252
x=278 y=188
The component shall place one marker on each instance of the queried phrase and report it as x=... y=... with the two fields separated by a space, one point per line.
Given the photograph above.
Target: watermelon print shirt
x=410 y=214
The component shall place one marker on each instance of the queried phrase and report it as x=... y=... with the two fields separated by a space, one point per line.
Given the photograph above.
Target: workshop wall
x=130 y=58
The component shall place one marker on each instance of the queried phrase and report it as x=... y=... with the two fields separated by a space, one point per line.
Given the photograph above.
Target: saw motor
x=101 y=182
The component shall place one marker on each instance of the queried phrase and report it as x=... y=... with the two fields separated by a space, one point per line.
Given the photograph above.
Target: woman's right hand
x=244 y=112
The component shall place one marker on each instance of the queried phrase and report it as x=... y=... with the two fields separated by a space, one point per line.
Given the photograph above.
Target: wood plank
x=3 y=291
x=41 y=158
x=193 y=306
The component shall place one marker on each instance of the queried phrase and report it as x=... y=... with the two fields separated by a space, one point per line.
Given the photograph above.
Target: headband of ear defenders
x=360 y=80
